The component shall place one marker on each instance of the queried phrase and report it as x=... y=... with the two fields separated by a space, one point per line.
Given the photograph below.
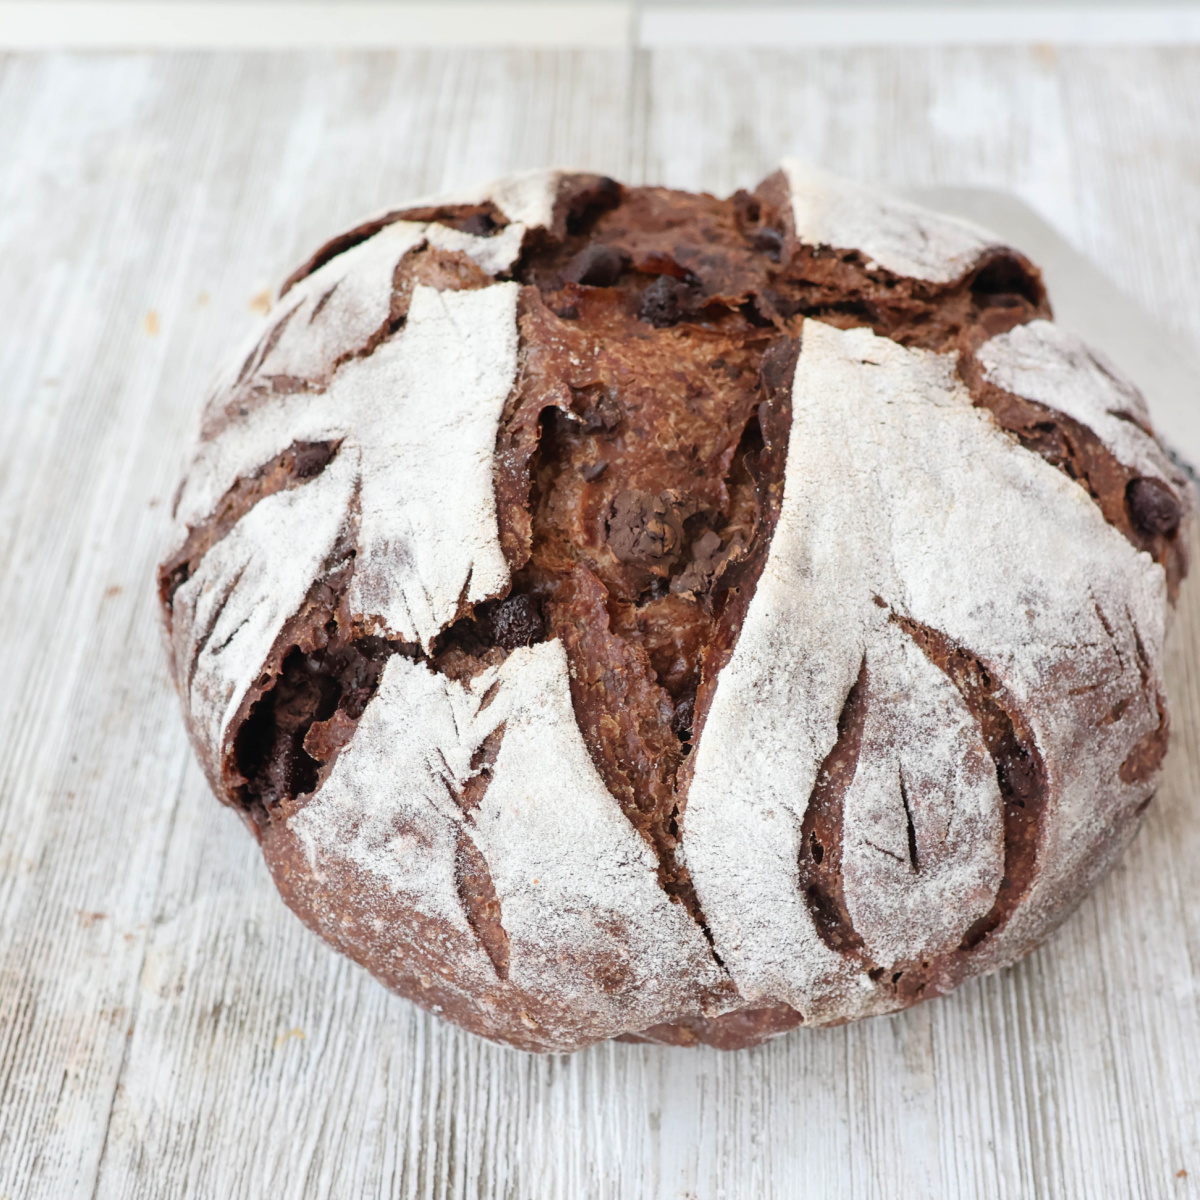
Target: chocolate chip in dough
x=596 y=266
x=645 y=529
x=665 y=302
x=769 y=241
x=517 y=622
x=478 y=225
x=1153 y=506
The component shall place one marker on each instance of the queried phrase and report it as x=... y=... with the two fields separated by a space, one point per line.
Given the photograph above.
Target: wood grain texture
x=167 y=1028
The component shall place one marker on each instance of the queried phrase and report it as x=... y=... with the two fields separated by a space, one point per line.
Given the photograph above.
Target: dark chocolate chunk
x=681 y=722
x=311 y=458
x=517 y=621
x=746 y=207
x=596 y=266
x=1153 y=506
x=665 y=302
x=1006 y=275
x=593 y=471
x=597 y=195
x=769 y=242
x=1000 y=300
x=698 y=575
x=602 y=413
x=645 y=528
x=478 y=225
x=325 y=738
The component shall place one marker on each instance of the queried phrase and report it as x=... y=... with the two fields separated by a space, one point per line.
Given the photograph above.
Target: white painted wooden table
x=167 y=1028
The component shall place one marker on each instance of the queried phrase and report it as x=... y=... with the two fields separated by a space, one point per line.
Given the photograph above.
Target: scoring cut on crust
x=626 y=613
x=940 y=520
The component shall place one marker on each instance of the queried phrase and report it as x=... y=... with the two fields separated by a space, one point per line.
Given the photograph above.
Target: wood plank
x=195 y=1039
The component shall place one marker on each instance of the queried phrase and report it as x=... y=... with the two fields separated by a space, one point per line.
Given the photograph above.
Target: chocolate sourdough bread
x=624 y=612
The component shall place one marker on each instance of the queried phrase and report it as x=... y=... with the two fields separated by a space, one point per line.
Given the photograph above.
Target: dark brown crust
x=625 y=717
x=733 y=1031
x=821 y=831
x=480 y=903
x=1144 y=760
x=628 y=614
x=765 y=457
x=418 y=956
x=639 y=476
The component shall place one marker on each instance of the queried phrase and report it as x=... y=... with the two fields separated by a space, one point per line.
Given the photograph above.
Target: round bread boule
x=623 y=612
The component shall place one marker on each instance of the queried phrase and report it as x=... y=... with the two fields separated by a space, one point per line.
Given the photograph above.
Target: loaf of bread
x=620 y=612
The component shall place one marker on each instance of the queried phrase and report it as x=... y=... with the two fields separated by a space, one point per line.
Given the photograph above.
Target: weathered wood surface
x=167 y=1028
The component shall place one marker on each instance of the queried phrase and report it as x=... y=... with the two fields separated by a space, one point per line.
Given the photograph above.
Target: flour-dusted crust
x=923 y=840
x=899 y=236
x=593 y=943
x=626 y=613
x=1050 y=597
x=229 y=614
x=1056 y=368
